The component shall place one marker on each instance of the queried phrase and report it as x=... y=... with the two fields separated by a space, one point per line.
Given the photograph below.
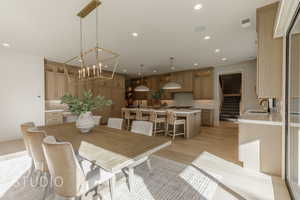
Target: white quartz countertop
x=267 y=119
x=177 y=111
x=55 y=110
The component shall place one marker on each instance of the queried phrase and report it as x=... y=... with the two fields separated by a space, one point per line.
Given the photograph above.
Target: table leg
x=130 y=178
x=112 y=184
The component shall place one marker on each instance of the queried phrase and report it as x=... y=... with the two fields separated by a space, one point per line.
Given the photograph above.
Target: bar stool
x=172 y=120
x=157 y=121
x=140 y=115
x=128 y=117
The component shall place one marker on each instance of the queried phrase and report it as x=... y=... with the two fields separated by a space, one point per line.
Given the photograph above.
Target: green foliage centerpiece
x=83 y=107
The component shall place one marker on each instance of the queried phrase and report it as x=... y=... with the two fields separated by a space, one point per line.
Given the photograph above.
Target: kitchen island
x=192 y=117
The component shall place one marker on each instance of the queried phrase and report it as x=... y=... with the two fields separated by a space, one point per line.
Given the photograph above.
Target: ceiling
x=166 y=28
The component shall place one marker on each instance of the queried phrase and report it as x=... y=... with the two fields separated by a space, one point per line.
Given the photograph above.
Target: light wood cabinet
x=54 y=118
x=204 y=84
x=55 y=84
x=269 y=54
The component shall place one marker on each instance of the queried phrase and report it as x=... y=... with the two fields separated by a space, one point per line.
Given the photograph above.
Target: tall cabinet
x=269 y=54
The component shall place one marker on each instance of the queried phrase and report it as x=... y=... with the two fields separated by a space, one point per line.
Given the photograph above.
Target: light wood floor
x=221 y=141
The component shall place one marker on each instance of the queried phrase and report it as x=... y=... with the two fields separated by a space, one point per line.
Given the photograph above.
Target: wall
x=22 y=92
x=249 y=98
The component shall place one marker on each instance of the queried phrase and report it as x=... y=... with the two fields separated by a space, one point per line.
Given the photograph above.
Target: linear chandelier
x=97 y=62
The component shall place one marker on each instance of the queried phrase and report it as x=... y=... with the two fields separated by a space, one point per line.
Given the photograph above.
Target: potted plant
x=156 y=96
x=83 y=107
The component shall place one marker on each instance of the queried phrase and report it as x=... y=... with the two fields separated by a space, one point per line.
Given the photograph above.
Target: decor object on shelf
x=142 y=87
x=97 y=62
x=83 y=107
x=172 y=85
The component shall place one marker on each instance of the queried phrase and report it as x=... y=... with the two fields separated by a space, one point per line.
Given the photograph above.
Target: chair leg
x=149 y=165
x=112 y=183
x=155 y=128
x=167 y=129
x=130 y=178
x=174 y=131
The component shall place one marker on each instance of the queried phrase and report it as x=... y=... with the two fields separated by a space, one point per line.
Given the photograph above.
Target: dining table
x=111 y=149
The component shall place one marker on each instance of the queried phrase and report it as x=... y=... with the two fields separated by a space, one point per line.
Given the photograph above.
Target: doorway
x=231 y=86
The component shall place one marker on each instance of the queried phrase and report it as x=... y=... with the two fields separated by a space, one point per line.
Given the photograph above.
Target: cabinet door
x=118 y=99
x=72 y=86
x=188 y=81
x=50 y=85
x=269 y=53
x=60 y=85
x=105 y=112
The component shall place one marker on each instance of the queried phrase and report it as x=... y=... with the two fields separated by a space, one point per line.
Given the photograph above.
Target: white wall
x=248 y=70
x=22 y=92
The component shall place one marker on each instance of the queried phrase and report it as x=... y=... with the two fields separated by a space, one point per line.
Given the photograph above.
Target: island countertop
x=267 y=119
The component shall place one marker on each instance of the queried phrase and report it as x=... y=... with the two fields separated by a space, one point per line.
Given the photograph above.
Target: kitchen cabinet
x=54 y=117
x=207 y=117
x=269 y=54
x=118 y=103
x=55 y=84
x=204 y=84
x=167 y=95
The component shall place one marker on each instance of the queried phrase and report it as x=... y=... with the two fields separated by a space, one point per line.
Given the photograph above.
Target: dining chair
x=128 y=117
x=70 y=179
x=35 y=137
x=175 y=122
x=157 y=121
x=24 y=128
x=116 y=123
x=141 y=116
x=97 y=120
x=144 y=128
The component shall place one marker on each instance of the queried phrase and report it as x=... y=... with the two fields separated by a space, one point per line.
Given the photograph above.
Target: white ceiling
x=166 y=28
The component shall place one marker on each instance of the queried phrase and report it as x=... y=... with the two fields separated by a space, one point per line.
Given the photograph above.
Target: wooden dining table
x=110 y=149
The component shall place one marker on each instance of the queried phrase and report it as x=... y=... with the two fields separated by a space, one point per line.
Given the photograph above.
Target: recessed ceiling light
x=79 y=60
x=196 y=64
x=135 y=34
x=173 y=68
x=139 y=73
x=125 y=70
x=207 y=37
x=105 y=66
x=198 y=6
x=217 y=50
x=154 y=71
x=6 y=44
x=224 y=59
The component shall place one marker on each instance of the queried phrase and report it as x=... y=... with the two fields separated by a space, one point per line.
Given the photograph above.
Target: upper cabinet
x=269 y=54
x=204 y=84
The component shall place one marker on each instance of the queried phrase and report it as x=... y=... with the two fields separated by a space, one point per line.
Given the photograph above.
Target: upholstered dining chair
x=35 y=137
x=70 y=179
x=144 y=128
x=116 y=123
x=24 y=128
x=175 y=122
x=97 y=120
x=156 y=120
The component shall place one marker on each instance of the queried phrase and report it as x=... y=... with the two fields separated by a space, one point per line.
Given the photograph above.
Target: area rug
x=168 y=180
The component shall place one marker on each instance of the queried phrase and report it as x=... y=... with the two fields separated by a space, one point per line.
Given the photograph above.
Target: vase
x=85 y=122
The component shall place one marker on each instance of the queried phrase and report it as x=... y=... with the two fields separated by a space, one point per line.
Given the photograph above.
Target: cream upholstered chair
x=97 y=120
x=24 y=128
x=70 y=179
x=116 y=123
x=172 y=120
x=157 y=121
x=35 y=138
x=128 y=117
x=144 y=128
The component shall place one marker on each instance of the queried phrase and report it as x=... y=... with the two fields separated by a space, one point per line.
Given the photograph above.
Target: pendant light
x=171 y=85
x=93 y=60
x=142 y=88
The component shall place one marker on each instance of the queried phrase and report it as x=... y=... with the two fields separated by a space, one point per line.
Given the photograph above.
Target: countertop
x=267 y=119
x=177 y=111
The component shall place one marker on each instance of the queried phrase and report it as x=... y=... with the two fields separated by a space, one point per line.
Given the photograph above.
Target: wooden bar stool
x=172 y=120
x=157 y=121
x=128 y=117
x=141 y=115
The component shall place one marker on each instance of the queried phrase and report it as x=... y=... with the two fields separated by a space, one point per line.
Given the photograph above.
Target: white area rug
x=168 y=180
